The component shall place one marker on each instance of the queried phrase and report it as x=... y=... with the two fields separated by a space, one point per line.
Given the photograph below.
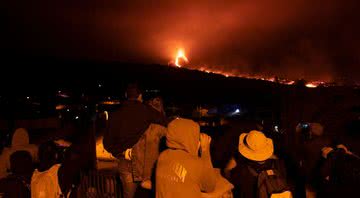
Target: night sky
x=316 y=40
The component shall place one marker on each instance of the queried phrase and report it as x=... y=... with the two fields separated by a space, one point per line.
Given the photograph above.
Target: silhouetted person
x=56 y=178
x=310 y=156
x=124 y=139
x=340 y=173
x=20 y=141
x=157 y=103
x=17 y=184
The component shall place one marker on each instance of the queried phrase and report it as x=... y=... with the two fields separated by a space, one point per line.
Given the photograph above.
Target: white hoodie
x=20 y=142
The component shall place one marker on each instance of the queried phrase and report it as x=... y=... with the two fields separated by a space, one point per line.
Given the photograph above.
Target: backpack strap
x=256 y=173
x=275 y=164
x=262 y=191
x=252 y=171
x=278 y=166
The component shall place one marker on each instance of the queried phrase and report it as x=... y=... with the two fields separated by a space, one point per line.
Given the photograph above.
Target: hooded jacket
x=20 y=141
x=180 y=172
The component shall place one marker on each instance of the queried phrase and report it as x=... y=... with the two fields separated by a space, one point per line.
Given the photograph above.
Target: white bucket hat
x=255 y=146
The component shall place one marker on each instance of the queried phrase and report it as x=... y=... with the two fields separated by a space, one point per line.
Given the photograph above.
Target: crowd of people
x=171 y=157
x=50 y=169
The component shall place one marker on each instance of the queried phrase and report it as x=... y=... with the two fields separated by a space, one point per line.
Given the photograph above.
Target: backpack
x=270 y=183
x=45 y=184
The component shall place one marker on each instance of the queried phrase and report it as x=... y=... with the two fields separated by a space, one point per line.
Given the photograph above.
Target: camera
x=305 y=130
x=305 y=125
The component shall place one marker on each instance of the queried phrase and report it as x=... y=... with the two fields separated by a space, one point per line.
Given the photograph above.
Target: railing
x=97 y=184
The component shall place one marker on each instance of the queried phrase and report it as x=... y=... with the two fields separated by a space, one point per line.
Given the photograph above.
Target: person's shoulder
x=9 y=183
x=135 y=107
x=3 y=181
x=179 y=155
x=148 y=108
x=154 y=126
x=31 y=148
x=166 y=158
x=165 y=154
x=131 y=103
x=6 y=150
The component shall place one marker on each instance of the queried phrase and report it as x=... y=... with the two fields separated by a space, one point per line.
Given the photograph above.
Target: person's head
x=21 y=163
x=310 y=130
x=303 y=130
x=48 y=155
x=255 y=146
x=133 y=93
x=183 y=134
x=224 y=122
x=156 y=103
x=316 y=129
x=340 y=148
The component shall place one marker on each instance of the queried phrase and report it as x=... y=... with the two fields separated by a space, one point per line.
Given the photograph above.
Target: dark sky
x=295 y=39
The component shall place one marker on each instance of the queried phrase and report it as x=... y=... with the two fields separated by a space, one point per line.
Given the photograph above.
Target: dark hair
x=21 y=163
x=132 y=91
x=48 y=153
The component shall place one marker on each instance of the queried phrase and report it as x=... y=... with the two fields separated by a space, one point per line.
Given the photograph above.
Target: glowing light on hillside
x=180 y=56
x=311 y=85
x=181 y=61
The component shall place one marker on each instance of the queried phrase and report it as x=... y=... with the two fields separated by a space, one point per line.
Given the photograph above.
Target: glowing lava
x=181 y=60
x=314 y=84
x=180 y=56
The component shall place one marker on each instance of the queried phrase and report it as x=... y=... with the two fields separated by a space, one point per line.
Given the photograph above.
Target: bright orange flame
x=180 y=55
x=311 y=85
x=290 y=82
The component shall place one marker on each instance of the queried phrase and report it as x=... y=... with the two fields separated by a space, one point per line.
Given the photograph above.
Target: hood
x=20 y=137
x=183 y=134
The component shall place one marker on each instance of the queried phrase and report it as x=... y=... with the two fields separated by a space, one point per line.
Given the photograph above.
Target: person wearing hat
x=255 y=154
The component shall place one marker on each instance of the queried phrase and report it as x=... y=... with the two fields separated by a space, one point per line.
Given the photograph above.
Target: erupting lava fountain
x=180 y=56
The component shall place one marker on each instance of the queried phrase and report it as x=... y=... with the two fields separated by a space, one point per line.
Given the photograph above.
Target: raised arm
x=208 y=173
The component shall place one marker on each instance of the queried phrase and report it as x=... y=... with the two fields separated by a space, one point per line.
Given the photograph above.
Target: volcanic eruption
x=181 y=59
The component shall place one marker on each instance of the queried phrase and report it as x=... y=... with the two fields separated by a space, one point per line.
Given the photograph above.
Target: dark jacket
x=244 y=181
x=180 y=172
x=340 y=174
x=127 y=125
x=311 y=159
x=15 y=187
x=17 y=184
x=146 y=152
